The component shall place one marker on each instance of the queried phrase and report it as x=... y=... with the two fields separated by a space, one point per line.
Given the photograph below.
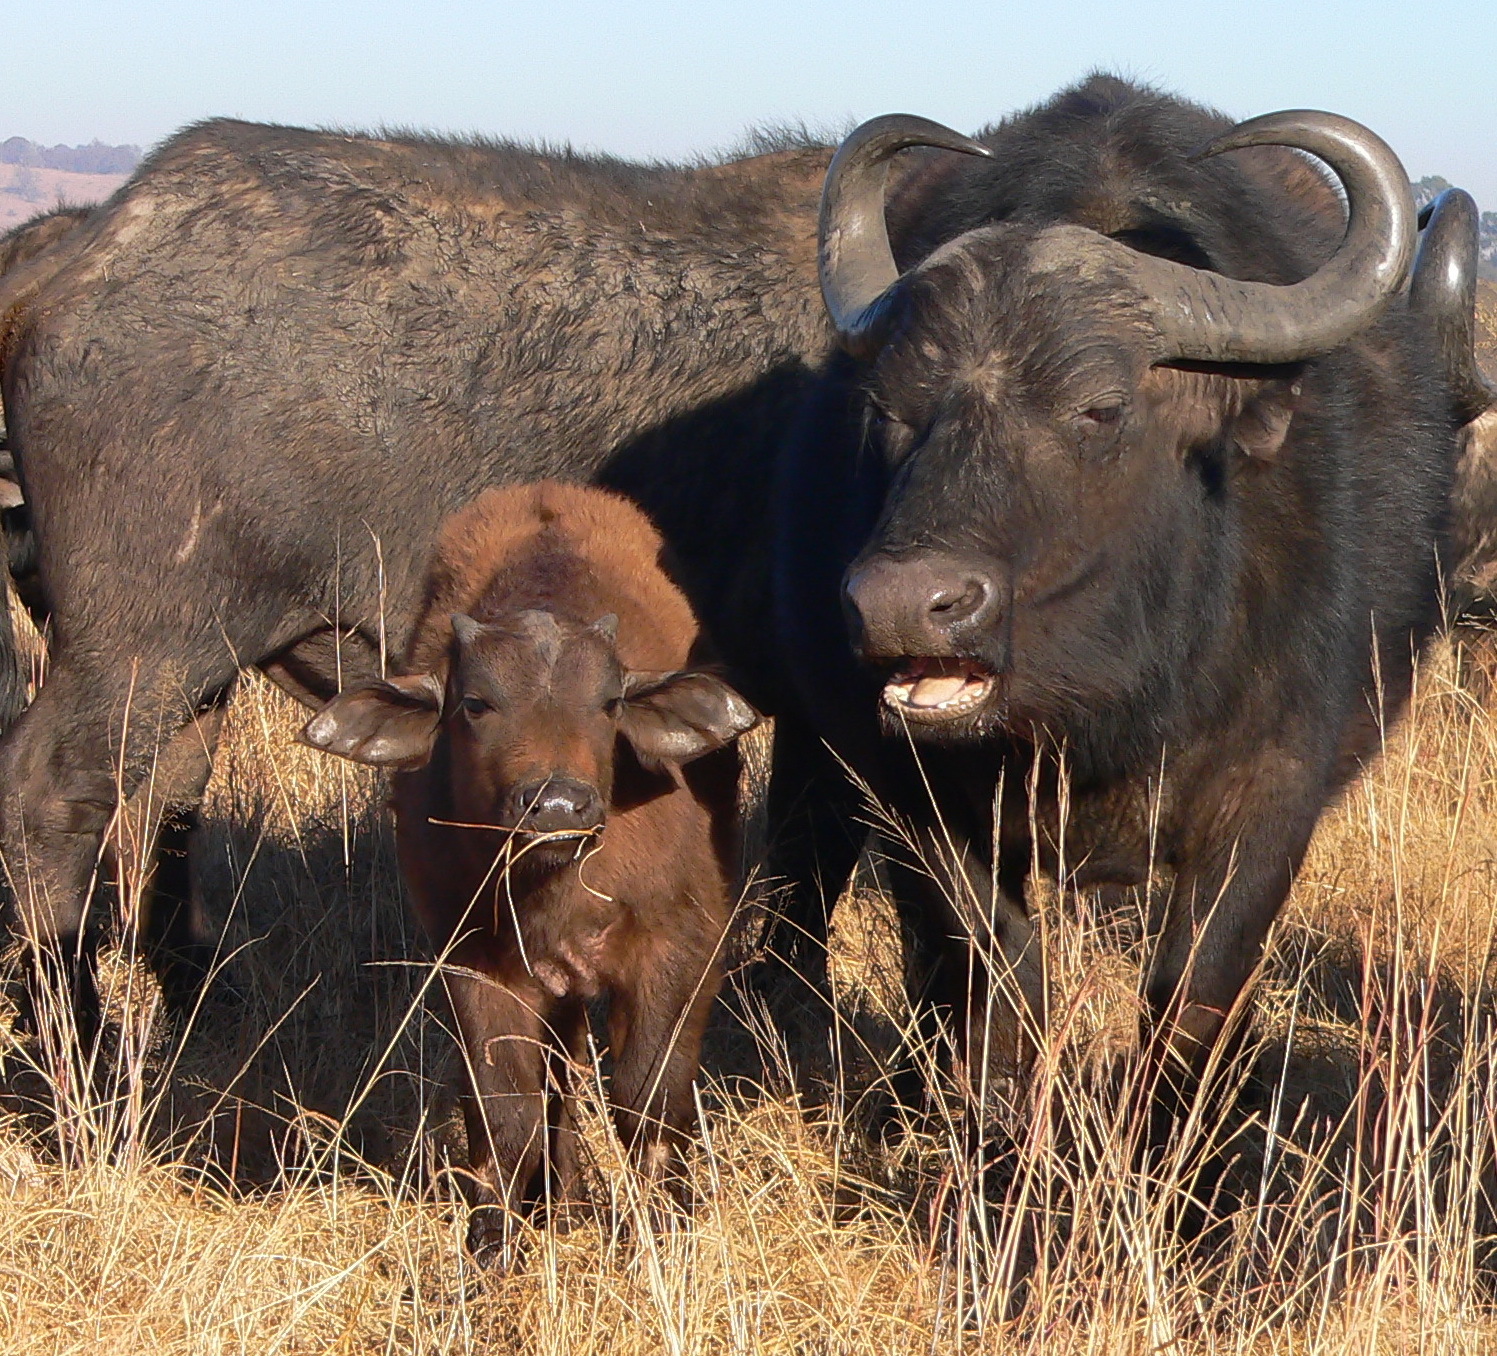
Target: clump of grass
x=270 y=1175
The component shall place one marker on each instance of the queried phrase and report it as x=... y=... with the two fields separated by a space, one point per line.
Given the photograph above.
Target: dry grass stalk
x=268 y=1177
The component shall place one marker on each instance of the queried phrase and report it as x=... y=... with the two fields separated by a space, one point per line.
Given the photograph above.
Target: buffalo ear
x=675 y=717
x=1260 y=429
x=385 y=724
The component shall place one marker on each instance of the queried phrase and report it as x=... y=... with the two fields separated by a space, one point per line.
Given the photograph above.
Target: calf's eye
x=475 y=706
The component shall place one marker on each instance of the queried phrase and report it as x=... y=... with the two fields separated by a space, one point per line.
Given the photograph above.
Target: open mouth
x=932 y=690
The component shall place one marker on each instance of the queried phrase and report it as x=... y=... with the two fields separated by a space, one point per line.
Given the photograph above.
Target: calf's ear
x=385 y=724
x=675 y=717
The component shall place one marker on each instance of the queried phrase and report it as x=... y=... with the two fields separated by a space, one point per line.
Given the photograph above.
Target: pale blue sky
x=666 y=78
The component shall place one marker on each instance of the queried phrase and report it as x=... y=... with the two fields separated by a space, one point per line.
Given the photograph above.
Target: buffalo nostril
x=920 y=604
x=953 y=603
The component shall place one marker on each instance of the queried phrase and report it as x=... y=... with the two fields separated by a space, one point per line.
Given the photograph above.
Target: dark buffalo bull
x=1123 y=520
x=557 y=845
x=243 y=394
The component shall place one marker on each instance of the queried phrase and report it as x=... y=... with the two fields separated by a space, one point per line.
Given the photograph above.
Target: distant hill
x=34 y=177
x=95 y=158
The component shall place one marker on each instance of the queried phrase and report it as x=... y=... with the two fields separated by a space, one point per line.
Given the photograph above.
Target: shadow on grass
x=1366 y=1110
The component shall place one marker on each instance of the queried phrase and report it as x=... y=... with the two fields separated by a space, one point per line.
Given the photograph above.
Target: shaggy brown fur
x=621 y=547
x=557 y=848
x=23 y=243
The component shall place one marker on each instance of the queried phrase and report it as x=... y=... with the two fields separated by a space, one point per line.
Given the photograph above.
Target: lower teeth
x=942 y=693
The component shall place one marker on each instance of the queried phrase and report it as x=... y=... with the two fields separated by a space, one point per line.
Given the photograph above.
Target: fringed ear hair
x=676 y=717
x=390 y=724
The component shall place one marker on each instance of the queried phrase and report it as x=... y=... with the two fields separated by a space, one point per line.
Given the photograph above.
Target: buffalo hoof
x=493 y=1239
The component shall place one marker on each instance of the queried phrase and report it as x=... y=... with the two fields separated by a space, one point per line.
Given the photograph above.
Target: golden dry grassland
x=268 y=1177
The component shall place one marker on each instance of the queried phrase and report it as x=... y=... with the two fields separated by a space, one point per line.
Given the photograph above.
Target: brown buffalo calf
x=557 y=845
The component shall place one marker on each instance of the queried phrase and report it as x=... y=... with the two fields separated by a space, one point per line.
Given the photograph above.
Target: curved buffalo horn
x=854 y=260
x=1206 y=317
x=1444 y=293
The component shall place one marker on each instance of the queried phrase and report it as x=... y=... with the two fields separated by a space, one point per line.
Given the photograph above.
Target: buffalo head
x=1061 y=421
x=526 y=723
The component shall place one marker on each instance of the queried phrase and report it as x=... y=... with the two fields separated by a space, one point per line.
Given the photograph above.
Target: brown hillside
x=24 y=192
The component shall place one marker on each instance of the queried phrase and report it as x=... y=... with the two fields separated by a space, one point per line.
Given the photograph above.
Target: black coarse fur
x=352 y=336
x=243 y=394
x=1198 y=593
x=19 y=246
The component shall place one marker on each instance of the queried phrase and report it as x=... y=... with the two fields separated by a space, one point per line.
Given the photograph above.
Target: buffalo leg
x=509 y=1054
x=972 y=968
x=814 y=841
x=83 y=745
x=656 y=1027
x=560 y=1188
x=1232 y=878
x=159 y=828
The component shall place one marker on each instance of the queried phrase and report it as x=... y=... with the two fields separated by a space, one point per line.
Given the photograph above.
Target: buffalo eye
x=1104 y=415
x=892 y=433
x=1098 y=424
x=475 y=706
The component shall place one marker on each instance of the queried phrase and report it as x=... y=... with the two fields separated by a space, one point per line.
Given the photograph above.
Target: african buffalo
x=1475 y=503
x=18 y=246
x=563 y=832
x=1112 y=539
x=243 y=394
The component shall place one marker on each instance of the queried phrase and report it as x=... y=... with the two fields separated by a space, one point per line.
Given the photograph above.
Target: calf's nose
x=555 y=805
x=917 y=605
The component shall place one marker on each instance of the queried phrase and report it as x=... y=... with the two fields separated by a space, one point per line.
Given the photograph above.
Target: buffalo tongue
x=937 y=690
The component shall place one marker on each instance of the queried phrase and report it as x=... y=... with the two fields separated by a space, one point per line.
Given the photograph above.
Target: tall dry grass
x=267 y=1176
